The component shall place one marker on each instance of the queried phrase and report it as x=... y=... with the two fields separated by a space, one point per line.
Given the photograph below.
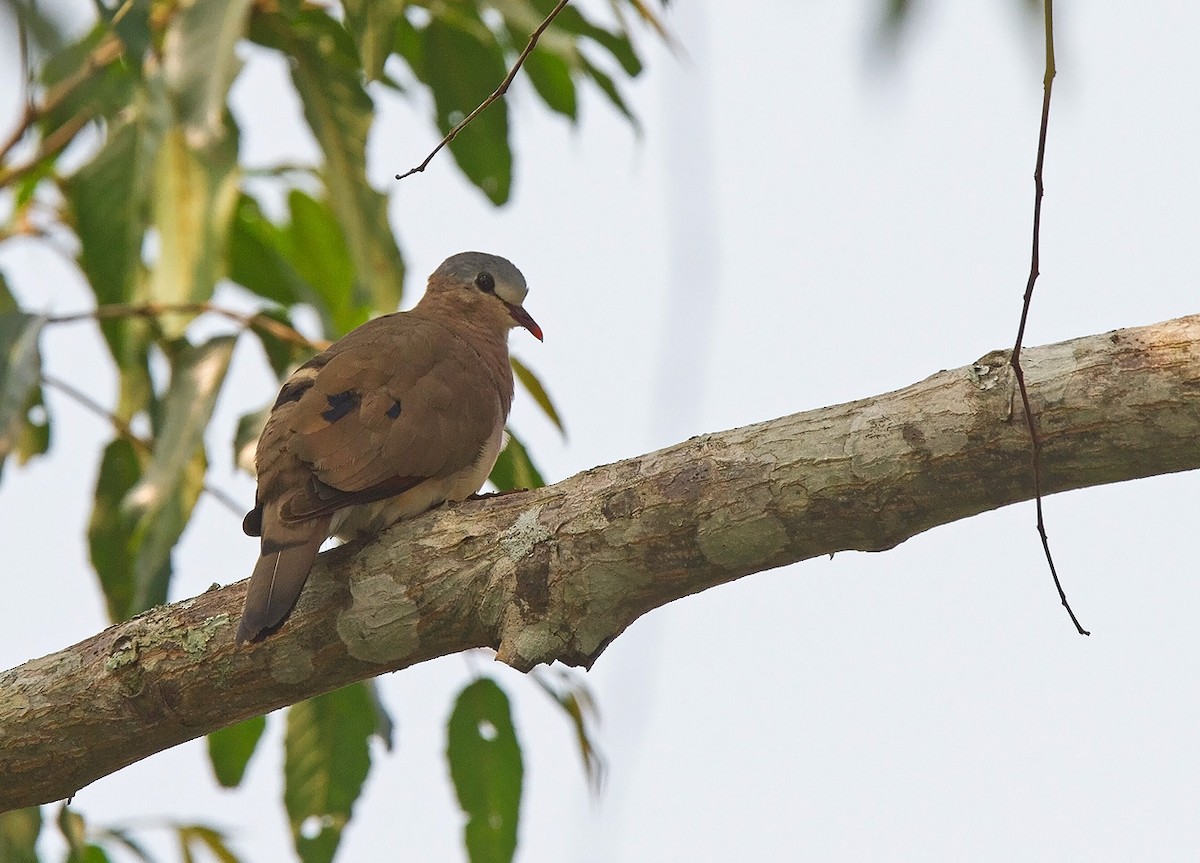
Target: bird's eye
x=485 y=282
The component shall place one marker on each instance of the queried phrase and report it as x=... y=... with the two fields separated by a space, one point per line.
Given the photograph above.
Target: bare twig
x=496 y=94
x=256 y=321
x=1038 y=191
x=104 y=53
x=124 y=430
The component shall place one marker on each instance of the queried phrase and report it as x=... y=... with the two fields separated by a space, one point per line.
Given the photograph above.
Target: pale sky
x=799 y=224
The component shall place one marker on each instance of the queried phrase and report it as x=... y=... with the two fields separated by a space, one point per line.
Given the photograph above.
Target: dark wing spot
x=293 y=389
x=340 y=404
x=394 y=410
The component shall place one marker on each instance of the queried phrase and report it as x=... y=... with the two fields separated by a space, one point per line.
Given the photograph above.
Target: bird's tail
x=275 y=585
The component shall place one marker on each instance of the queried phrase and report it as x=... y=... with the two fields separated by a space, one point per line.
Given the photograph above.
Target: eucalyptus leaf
x=462 y=66
x=514 y=468
x=326 y=760
x=486 y=768
x=534 y=386
x=373 y=24
x=194 y=196
x=230 y=748
x=200 y=63
x=325 y=69
x=19 y=830
x=20 y=372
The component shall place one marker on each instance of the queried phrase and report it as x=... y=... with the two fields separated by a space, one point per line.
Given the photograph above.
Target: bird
x=400 y=415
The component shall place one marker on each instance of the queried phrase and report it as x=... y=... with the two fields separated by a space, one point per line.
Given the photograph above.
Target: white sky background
x=858 y=226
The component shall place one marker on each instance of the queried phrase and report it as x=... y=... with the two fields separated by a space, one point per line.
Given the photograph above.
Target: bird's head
x=485 y=287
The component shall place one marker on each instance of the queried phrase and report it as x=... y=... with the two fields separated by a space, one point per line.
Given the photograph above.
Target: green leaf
x=159 y=505
x=609 y=89
x=74 y=831
x=534 y=386
x=373 y=25
x=514 y=469
x=19 y=831
x=191 y=835
x=485 y=766
x=20 y=372
x=111 y=228
x=132 y=26
x=230 y=748
x=105 y=90
x=200 y=62
x=110 y=538
x=194 y=196
x=258 y=260
x=143 y=502
x=462 y=66
x=617 y=44
x=571 y=693
x=326 y=72
x=326 y=759
x=317 y=250
x=551 y=78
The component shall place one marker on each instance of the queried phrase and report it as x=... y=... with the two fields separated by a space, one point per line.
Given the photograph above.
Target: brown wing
x=396 y=402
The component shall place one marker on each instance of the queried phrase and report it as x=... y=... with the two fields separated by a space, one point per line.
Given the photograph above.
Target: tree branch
x=560 y=572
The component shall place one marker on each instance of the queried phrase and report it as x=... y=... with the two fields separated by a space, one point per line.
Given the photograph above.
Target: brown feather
x=401 y=414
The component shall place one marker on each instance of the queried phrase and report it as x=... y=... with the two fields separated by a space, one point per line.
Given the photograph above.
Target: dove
x=398 y=416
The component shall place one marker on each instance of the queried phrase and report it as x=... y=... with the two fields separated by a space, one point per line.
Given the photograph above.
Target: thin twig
x=104 y=53
x=496 y=94
x=1038 y=190
x=28 y=113
x=124 y=430
x=255 y=321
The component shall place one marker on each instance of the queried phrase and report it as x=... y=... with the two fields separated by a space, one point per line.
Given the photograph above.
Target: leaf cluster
x=126 y=156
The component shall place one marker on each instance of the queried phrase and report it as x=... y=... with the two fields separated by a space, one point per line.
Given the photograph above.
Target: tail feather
x=274 y=588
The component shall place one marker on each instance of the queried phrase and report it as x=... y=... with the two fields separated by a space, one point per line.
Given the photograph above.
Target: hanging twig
x=1038 y=189
x=496 y=94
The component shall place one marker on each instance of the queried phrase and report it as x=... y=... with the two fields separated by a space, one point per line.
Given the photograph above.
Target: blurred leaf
x=609 y=89
x=19 y=831
x=159 y=505
x=385 y=726
x=194 y=195
x=317 y=250
x=534 y=386
x=120 y=837
x=108 y=203
x=571 y=693
x=283 y=354
x=206 y=837
x=109 y=536
x=373 y=25
x=615 y=43
x=230 y=748
x=200 y=63
x=485 y=766
x=551 y=77
x=85 y=78
x=257 y=258
x=326 y=72
x=462 y=65
x=132 y=26
x=514 y=469
x=74 y=831
x=20 y=372
x=326 y=759
x=245 y=440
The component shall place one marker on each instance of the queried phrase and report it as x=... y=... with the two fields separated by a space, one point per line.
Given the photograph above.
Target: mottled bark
x=559 y=572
